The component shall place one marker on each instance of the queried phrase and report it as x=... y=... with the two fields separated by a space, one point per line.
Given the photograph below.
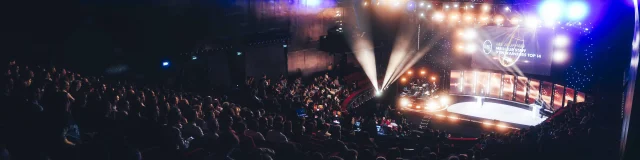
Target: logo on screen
x=511 y=50
x=486 y=47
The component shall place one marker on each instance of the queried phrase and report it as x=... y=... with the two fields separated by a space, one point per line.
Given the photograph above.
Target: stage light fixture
x=488 y=123
x=312 y=3
x=485 y=8
x=440 y=116
x=499 y=20
x=432 y=105
x=446 y=6
x=417 y=107
x=577 y=10
x=468 y=18
x=470 y=34
x=438 y=16
x=404 y=102
x=421 y=4
x=515 y=21
x=507 y=9
x=454 y=117
x=239 y=53
x=561 y=41
x=550 y=11
x=470 y=48
x=194 y=57
x=409 y=72
x=433 y=78
x=403 y=79
x=559 y=56
x=454 y=17
x=421 y=14
x=455 y=6
x=444 y=101
x=532 y=22
x=378 y=93
x=165 y=63
x=365 y=3
x=422 y=72
x=501 y=126
x=428 y=6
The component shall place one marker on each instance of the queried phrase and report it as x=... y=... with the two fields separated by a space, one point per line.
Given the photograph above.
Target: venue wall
x=269 y=60
x=309 y=61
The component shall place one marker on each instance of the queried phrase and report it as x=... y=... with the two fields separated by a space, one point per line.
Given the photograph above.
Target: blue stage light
x=165 y=63
x=577 y=10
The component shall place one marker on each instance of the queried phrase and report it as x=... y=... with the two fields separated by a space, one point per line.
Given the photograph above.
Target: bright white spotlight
x=455 y=6
x=365 y=3
x=165 y=63
x=432 y=105
x=404 y=102
x=470 y=48
x=378 y=93
x=559 y=56
x=561 y=41
x=499 y=19
x=194 y=57
x=422 y=72
x=485 y=8
x=428 y=6
x=515 y=20
x=446 y=6
x=550 y=11
x=312 y=2
x=433 y=78
x=470 y=34
x=577 y=10
x=421 y=14
x=409 y=72
x=438 y=16
x=403 y=79
x=421 y=4
x=507 y=9
x=454 y=17
x=444 y=101
x=532 y=22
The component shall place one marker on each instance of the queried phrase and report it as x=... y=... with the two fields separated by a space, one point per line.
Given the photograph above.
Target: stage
x=496 y=111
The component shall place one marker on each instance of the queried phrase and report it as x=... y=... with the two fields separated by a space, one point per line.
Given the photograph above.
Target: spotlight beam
x=410 y=59
x=399 y=52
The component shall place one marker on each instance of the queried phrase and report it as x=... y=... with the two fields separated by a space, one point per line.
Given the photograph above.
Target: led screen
x=558 y=95
x=507 y=87
x=533 y=91
x=455 y=86
x=512 y=49
x=568 y=96
x=495 y=89
x=547 y=91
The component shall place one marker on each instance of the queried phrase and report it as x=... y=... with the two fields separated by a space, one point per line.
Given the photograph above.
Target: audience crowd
x=51 y=113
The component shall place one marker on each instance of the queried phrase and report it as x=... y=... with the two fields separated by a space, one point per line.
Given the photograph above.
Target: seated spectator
x=191 y=129
x=252 y=131
x=275 y=135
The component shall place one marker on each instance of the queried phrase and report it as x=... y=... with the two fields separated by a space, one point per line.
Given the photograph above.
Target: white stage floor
x=501 y=112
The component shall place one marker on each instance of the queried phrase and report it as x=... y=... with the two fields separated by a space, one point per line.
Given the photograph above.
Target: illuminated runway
x=501 y=112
